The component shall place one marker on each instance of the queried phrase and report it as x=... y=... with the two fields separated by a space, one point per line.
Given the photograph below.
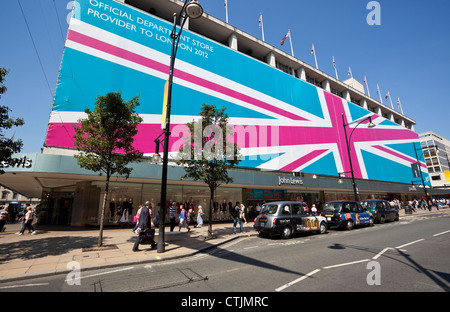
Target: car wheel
x=371 y=222
x=323 y=229
x=287 y=232
x=382 y=219
x=349 y=225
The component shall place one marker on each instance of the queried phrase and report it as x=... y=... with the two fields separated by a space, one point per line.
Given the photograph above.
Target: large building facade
x=436 y=152
x=290 y=119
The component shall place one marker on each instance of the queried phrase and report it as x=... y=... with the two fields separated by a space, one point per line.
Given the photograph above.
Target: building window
x=430 y=170
x=336 y=92
x=437 y=169
x=313 y=81
x=436 y=178
x=354 y=101
x=284 y=68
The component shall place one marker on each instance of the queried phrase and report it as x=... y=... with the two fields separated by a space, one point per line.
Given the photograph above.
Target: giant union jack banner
x=280 y=122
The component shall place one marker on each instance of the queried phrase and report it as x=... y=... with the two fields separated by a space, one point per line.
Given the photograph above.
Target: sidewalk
x=49 y=251
x=52 y=248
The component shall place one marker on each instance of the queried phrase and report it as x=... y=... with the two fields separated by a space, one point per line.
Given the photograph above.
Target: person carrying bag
x=145 y=232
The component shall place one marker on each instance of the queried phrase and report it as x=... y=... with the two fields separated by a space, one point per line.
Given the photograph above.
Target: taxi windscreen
x=332 y=206
x=368 y=204
x=269 y=209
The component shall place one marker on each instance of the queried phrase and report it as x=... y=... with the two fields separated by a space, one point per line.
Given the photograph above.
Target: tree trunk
x=102 y=215
x=210 y=234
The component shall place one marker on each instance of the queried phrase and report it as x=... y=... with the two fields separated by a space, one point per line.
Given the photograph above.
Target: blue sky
x=407 y=55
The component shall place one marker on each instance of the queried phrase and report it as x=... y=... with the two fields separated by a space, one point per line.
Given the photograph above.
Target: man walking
x=144 y=225
x=237 y=218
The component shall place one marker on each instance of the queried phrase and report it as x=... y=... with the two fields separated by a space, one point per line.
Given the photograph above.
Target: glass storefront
x=81 y=205
x=131 y=195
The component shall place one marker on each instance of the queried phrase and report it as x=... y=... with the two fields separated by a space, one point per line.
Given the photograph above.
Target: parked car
x=380 y=209
x=287 y=218
x=346 y=214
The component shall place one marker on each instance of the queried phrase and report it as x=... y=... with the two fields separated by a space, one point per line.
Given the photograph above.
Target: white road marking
x=104 y=273
x=297 y=280
x=416 y=241
x=442 y=233
x=344 y=264
x=27 y=285
x=382 y=252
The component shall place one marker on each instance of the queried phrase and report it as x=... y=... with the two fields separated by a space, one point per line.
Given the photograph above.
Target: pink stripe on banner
x=138 y=59
x=409 y=159
x=294 y=165
x=61 y=135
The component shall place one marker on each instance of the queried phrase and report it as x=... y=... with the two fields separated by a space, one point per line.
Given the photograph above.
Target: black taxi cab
x=380 y=209
x=286 y=218
x=346 y=214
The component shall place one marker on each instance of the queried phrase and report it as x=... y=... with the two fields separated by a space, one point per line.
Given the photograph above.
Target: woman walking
x=28 y=222
x=242 y=213
x=183 y=219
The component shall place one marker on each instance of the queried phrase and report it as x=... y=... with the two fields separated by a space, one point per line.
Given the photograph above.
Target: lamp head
x=156 y=159
x=371 y=124
x=193 y=10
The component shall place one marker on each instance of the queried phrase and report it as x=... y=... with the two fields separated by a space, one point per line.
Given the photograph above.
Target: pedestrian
x=258 y=209
x=136 y=218
x=3 y=218
x=183 y=219
x=172 y=216
x=124 y=219
x=28 y=222
x=191 y=214
x=22 y=219
x=314 y=209
x=12 y=214
x=237 y=218
x=144 y=226
x=242 y=213
x=156 y=220
x=199 y=216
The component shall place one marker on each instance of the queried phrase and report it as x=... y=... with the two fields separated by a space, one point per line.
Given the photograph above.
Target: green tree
x=7 y=145
x=105 y=140
x=209 y=151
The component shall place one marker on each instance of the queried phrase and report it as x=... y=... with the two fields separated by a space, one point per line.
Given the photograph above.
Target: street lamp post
x=193 y=10
x=347 y=140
